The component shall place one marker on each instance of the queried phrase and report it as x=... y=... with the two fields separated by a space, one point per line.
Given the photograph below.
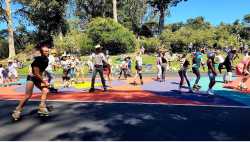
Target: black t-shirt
x=41 y=62
x=163 y=60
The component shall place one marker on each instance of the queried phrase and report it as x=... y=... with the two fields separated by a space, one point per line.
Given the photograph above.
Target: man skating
x=38 y=67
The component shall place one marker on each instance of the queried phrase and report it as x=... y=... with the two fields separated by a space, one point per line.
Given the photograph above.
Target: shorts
x=13 y=73
x=138 y=68
x=211 y=76
x=36 y=81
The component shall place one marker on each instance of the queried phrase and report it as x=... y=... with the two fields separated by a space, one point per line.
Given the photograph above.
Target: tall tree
x=47 y=15
x=247 y=18
x=9 y=21
x=162 y=7
x=114 y=2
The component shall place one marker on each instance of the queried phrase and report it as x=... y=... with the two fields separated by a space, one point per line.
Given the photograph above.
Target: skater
x=138 y=67
x=38 y=67
x=98 y=61
x=107 y=69
x=123 y=68
x=65 y=66
x=219 y=59
x=12 y=72
x=197 y=62
x=163 y=67
x=158 y=65
x=183 y=72
x=245 y=72
x=50 y=74
x=228 y=64
x=129 y=66
x=1 y=74
x=211 y=72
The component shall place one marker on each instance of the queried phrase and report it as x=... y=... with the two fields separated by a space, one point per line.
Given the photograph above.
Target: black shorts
x=36 y=81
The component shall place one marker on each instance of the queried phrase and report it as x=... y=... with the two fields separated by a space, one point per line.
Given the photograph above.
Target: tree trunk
x=10 y=29
x=115 y=10
x=161 y=20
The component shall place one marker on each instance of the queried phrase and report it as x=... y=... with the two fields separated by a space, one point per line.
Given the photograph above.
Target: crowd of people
x=100 y=63
x=9 y=73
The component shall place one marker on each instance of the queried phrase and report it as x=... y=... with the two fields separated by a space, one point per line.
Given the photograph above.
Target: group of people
x=102 y=65
x=9 y=74
x=215 y=61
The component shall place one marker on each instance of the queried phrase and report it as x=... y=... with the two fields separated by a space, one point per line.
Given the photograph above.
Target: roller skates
x=16 y=115
x=43 y=111
x=196 y=87
x=242 y=87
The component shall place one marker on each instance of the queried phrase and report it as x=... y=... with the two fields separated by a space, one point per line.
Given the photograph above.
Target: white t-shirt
x=12 y=68
x=1 y=72
x=219 y=59
x=97 y=59
x=139 y=60
x=65 y=64
x=51 y=63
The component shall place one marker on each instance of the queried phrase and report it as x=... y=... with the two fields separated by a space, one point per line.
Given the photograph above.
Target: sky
x=214 y=11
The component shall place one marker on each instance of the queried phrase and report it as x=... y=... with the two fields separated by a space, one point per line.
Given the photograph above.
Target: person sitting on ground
x=35 y=77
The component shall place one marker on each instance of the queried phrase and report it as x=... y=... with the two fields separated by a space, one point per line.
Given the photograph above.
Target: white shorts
x=13 y=73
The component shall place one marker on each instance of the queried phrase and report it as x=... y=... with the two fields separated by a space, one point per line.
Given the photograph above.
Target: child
x=13 y=75
x=183 y=72
x=211 y=72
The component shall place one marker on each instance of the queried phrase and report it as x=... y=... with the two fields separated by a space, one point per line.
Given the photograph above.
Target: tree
x=114 y=10
x=47 y=15
x=162 y=6
x=6 y=15
x=247 y=18
x=131 y=13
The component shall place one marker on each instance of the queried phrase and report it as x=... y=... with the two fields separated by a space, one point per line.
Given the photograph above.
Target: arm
x=212 y=67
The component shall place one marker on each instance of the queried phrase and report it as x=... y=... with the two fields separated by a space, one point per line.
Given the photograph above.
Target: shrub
x=151 y=45
x=111 y=35
x=74 y=42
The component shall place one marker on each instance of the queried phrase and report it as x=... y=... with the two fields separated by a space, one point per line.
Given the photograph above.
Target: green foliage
x=3 y=48
x=111 y=35
x=46 y=15
x=74 y=42
x=151 y=45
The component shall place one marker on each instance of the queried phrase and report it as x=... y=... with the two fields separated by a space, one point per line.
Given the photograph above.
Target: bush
x=151 y=45
x=111 y=35
x=74 y=42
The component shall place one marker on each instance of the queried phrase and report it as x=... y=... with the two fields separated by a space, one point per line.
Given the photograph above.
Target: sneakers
x=210 y=92
x=16 y=115
x=43 y=110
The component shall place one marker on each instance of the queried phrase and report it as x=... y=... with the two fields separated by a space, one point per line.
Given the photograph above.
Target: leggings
x=198 y=75
x=183 y=75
